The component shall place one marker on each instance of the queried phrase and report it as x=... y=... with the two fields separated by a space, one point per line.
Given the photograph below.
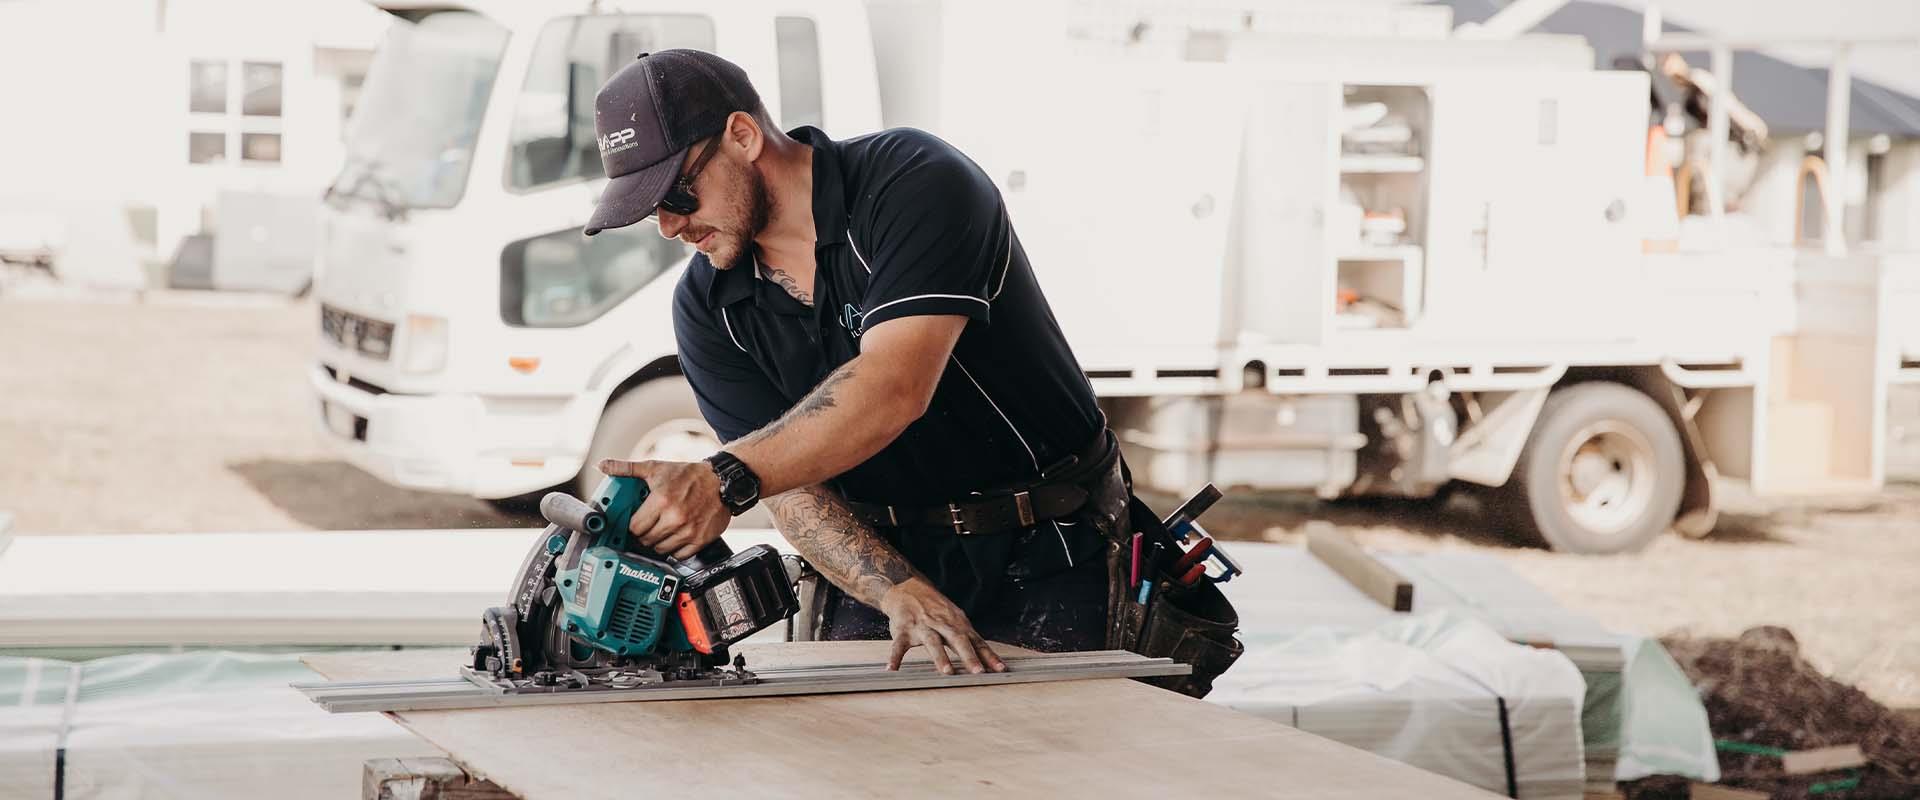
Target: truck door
x=1534 y=179
x=1122 y=193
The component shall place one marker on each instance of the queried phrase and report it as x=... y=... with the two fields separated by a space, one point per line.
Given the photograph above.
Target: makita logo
x=639 y=576
x=617 y=141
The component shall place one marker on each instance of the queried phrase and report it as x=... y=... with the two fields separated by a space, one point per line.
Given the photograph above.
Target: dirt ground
x=189 y=412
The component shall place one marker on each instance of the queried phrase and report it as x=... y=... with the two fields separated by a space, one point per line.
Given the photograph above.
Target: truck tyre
x=1602 y=471
x=657 y=420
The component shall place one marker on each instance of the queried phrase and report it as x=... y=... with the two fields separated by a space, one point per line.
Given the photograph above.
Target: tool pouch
x=1193 y=625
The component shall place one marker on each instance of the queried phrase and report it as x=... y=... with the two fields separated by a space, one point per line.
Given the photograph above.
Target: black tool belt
x=1060 y=492
x=1192 y=624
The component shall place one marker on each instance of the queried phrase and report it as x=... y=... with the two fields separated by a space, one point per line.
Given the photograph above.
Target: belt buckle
x=958 y=520
x=1023 y=502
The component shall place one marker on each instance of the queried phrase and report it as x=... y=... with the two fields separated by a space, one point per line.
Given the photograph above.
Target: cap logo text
x=617 y=141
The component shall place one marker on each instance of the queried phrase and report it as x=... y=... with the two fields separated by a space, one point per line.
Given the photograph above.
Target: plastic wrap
x=1639 y=708
x=191 y=725
x=1427 y=691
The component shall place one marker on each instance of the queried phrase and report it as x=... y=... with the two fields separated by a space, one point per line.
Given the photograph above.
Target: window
x=1871 y=211
x=260 y=82
x=205 y=147
x=207 y=87
x=799 y=45
x=255 y=129
x=260 y=147
x=553 y=132
x=563 y=279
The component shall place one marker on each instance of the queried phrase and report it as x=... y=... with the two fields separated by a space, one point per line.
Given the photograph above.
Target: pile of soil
x=1758 y=690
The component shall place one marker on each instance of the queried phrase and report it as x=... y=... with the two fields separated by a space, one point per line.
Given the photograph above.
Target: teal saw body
x=623 y=604
x=589 y=601
x=617 y=602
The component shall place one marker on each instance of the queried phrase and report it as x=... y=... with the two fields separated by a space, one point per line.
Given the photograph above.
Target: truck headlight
x=426 y=344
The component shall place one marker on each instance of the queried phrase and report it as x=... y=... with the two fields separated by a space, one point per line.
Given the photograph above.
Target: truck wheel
x=1602 y=471
x=657 y=420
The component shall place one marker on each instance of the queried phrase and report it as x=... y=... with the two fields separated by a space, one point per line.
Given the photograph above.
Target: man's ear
x=743 y=132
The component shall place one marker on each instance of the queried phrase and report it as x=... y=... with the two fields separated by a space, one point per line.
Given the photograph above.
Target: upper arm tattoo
x=840 y=545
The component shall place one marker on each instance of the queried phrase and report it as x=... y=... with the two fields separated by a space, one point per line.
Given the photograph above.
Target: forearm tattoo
x=817 y=401
x=842 y=547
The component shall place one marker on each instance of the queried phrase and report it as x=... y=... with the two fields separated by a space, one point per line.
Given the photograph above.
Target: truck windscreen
x=412 y=136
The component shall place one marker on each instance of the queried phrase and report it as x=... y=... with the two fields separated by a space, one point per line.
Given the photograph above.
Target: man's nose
x=671 y=224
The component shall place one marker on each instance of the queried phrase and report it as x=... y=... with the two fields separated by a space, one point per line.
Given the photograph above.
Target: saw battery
x=722 y=604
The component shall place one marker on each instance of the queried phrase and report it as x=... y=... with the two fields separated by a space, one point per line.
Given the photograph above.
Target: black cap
x=647 y=116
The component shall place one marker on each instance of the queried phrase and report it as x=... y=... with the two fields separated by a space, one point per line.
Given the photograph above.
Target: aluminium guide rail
x=455 y=692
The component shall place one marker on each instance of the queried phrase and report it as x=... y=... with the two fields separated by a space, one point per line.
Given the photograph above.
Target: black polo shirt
x=907 y=225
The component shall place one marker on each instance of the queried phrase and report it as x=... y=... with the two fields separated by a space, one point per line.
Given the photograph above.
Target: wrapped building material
x=190 y=725
x=1640 y=715
x=1438 y=691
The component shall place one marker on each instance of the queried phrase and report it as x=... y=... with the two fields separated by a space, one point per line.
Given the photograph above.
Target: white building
x=131 y=126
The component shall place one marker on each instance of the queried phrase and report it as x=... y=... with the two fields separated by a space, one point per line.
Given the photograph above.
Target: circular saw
x=590 y=609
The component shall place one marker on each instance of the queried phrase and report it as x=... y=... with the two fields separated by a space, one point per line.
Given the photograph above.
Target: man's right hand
x=920 y=615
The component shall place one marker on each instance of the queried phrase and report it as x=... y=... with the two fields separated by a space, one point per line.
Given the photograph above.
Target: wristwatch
x=739 y=487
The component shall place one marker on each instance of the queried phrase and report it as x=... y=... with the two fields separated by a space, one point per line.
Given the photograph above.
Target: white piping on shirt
x=996 y=409
x=1005 y=266
x=1023 y=443
x=856 y=252
x=869 y=312
x=729 y=325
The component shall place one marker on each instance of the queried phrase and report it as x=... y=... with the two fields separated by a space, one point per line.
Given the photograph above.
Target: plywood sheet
x=1096 y=738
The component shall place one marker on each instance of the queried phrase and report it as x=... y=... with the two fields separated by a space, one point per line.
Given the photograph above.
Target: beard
x=735 y=239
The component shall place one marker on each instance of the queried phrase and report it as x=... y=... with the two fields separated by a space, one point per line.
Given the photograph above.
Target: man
x=863 y=331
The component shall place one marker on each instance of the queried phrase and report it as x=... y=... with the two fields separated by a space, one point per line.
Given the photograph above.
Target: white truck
x=1345 y=264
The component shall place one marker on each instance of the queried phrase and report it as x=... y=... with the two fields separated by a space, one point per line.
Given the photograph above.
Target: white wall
x=76 y=142
x=96 y=100
x=1899 y=222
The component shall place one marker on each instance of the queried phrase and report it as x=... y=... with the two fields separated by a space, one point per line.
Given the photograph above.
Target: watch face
x=742 y=489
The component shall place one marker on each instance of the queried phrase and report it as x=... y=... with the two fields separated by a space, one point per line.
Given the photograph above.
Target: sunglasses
x=680 y=198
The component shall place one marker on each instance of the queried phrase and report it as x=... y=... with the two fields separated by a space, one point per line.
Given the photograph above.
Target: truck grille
x=371 y=337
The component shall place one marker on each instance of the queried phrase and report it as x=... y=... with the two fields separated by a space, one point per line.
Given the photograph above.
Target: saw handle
x=572 y=513
x=613 y=505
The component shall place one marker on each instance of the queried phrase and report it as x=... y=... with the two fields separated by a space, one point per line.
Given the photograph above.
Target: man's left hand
x=682 y=512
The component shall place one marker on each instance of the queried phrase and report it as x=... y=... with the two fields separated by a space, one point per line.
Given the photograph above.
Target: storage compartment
x=1377 y=229
x=1252 y=440
x=1378 y=289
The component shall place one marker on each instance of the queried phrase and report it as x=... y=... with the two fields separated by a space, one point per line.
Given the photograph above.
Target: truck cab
x=471 y=339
